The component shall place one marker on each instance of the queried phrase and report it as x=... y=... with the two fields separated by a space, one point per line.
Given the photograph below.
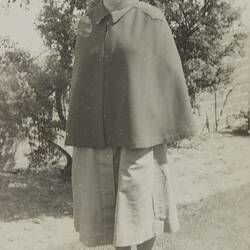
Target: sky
x=245 y=5
x=18 y=24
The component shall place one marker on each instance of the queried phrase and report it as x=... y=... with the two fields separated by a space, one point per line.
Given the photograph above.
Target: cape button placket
x=105 y=78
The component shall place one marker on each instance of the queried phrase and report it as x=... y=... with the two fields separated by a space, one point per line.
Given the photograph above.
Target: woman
x=128 y=100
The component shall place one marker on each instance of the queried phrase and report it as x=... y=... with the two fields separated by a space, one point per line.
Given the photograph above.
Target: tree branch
x=59 y=107
x=68 y=165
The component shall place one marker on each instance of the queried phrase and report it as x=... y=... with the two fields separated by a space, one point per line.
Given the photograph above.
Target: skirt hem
x=107 y=238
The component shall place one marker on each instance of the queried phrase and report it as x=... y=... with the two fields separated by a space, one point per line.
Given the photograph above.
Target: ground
x=211 y=175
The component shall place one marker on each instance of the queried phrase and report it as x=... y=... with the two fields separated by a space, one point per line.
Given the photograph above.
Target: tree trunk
x=67 y=169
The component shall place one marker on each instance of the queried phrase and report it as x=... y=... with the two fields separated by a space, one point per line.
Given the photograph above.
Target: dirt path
x=221 y=222
x=210 y=164
x=212 y=182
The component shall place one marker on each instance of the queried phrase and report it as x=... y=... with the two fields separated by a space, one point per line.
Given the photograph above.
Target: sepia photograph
x=124 y=125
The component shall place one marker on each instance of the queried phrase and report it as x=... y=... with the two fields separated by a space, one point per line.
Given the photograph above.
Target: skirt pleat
x=122 y=196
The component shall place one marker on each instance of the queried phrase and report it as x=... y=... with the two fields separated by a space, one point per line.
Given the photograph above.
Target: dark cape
x=128 y=85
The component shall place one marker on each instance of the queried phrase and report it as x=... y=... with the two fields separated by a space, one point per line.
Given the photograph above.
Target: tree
x=27 y=105
x=15 y=94
x=198 y=27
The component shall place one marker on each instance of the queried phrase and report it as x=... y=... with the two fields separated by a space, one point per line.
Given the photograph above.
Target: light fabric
x=122 y=196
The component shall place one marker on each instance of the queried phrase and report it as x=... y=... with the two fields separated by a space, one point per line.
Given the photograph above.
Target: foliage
x=199 y=27
x=27 y=103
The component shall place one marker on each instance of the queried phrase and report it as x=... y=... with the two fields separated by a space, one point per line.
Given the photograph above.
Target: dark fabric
x=116 y=161
x=128 y=87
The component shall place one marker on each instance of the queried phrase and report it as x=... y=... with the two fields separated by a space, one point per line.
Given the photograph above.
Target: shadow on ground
x=30 y=195
x=241 y=130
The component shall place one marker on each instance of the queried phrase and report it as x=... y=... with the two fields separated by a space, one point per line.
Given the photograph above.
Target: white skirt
x=122 y=196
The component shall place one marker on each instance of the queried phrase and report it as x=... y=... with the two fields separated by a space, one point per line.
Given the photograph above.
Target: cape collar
x=101 y=11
